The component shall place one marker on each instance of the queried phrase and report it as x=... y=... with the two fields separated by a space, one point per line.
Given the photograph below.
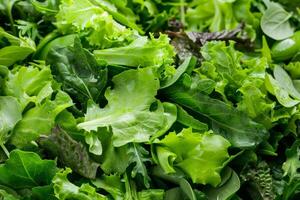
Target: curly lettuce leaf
x=142 y=52
x=218 y=15
x=29 y=84
x=64 y=189
x=200 y=156
x=98 y=25
x=16 y=50
x=128 y=110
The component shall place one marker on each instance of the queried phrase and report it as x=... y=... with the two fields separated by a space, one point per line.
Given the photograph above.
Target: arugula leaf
x=39 y=120
x=138 y=155
x=275 y=21
x=290 y=167
x=130 y=120
x=10 y=114
x=78 y=71
x=64 y=189
x=200 y=156
x=218 y=15
x=26 y=170
x=70 y=153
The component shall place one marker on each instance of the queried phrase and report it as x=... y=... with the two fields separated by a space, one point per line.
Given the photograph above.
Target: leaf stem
x=11 y=19
x=5 y=150
x=182 y=12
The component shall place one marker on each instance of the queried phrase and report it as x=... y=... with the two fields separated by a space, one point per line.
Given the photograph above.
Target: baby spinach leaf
x=26 y=170
x=78 y=71
x=282 y=87
x=275 y=22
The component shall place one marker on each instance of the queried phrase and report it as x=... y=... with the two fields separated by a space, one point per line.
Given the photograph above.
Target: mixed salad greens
x=149 y=99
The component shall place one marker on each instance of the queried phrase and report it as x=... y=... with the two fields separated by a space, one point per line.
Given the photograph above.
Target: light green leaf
x=285 y=81
x=19 y=49
x=127 y=111
x=39 y=120
x=142 y=52
x=10 y=114
x=200 y=156
x=95 y=146
x=84 y=16
x=282 y=90
x=29 y=84
x=64 y=189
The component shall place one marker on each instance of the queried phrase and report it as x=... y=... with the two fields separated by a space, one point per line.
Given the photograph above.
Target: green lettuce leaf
x=29 y=84
x=98 y=25
x=218 y=15
x=142 y=52
x=16 y=50
x=200 y=156
x=64 y=189
x=26 y=170
x=39 y=120
x=128 y=110
x=10 y=114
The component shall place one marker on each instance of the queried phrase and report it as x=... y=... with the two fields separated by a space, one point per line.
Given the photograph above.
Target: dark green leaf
x=26 y=170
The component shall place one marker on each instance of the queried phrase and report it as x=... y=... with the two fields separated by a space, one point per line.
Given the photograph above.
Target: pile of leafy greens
x=149 y=99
